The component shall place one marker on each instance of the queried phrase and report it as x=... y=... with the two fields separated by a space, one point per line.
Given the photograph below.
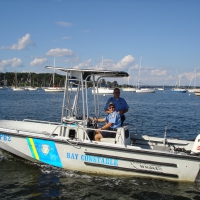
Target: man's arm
x=100 y=120
x=121 y=112
x=106 y=126
x=107 y=111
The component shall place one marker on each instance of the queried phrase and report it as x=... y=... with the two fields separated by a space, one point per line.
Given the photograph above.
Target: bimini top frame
x=81 y=77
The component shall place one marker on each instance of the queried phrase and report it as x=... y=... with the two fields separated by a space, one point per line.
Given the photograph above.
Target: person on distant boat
x=113 y=122
x=120 y=104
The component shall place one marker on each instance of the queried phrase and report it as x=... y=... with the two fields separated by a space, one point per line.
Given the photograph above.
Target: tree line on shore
x=46 y=80
x=41 y=80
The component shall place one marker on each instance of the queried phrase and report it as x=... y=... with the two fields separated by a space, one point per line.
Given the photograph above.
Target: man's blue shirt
x=120 y=104
x=115 y=119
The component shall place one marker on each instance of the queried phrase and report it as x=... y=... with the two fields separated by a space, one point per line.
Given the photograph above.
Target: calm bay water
x=148 y=113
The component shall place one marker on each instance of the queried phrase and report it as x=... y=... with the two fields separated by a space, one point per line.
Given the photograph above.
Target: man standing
x=120 y=104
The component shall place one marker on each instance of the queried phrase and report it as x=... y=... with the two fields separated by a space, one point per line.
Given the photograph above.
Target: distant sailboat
x=177 y=87
x=102 y=90
x=143 y=90
x=4 y=87
x=31 y=88
x=194 y=89
x=129 y=89
x=54 y=88
x=16 y=88
x=161 y=88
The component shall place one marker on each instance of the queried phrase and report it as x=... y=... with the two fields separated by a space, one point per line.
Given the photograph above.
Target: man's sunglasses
x=111 y=107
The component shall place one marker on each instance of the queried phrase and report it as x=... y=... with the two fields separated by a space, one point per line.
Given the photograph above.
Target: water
x=149 y=113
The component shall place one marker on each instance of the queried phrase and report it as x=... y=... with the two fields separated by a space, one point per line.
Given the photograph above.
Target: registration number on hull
x=4 y=137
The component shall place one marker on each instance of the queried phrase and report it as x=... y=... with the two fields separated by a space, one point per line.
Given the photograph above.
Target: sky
x=161 y=37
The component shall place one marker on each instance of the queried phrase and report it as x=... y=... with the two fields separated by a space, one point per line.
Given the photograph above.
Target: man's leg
x=122 y=119
x=98 y=136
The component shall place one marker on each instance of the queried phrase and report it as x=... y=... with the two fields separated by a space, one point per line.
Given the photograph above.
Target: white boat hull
x=129 y=89
x=39 y=142
x=3 y=88
x=103 y=91
x=54 y=89
x=145 y=90
x=180 y=90
x=31 y=88
x=197 y=93
x=161 y=89
x=193 y=90
x=18 y=89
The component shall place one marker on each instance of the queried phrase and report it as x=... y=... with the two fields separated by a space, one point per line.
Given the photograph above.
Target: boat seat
x=108 y=140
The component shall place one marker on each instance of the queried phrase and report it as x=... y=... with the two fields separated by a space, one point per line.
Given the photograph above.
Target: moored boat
x=197 y=92
x=102 y=90
x=129 y=89
x=145 y=90
x=177 y=87
x=70 y=143
x=180 y=90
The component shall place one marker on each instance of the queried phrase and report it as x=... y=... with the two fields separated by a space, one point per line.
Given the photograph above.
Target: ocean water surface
x=148 y=114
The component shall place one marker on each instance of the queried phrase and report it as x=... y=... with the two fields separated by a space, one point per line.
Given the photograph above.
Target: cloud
x=64 y=24
x=66 y=38
x=86 y=65
x=38 y=61
x=14 y=62
x=135 y=68
x=23 y=43
x=59 y=52
x=125 y=63
x=158 y=72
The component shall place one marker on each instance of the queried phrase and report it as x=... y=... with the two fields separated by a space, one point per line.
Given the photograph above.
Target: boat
x=102 y=90
x=54 y=88
x=3 y=88
x=70 y=144
x=3 y=84
x=194 y=89
x=143 y=90
x=31 y=88
x=16 y=88
x=197 y=92
x=161 y=89
x=128 y=89
x=180 y=90
x=177 y=87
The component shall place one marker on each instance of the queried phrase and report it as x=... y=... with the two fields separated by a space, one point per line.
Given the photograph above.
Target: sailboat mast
x=139 y=72
x=195 y=77
x=15 y=80
x=54 y=72
x=128 y=76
